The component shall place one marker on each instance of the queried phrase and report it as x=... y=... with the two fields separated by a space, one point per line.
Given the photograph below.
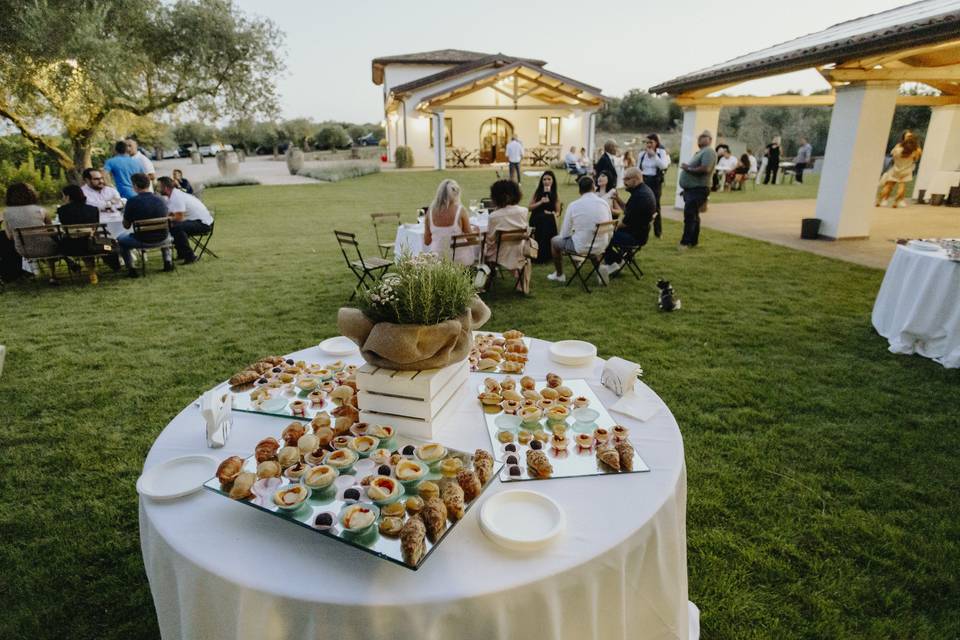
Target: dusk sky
x=627 y=45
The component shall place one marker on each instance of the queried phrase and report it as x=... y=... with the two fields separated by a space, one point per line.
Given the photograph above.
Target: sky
x=329 y=46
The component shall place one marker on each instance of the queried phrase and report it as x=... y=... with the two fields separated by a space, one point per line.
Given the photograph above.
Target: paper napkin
x=216 y=408
x=640 y=403
x=619 y=375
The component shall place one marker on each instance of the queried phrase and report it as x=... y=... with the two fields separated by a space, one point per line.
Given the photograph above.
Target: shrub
x=403 y=157
x=48 y=187
x=335 y=171
x=424 y=289
x=229 y=181
x=332 y=136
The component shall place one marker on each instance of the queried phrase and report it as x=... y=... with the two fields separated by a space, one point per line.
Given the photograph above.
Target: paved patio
x=778 y=221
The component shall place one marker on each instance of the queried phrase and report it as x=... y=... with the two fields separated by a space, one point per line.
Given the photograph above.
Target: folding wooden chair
x=32 y=239
x=465 y=243
x=380 y=220
x=152 y=226
x=364 y=269
x=93 y=238
x=592 y=256
x=628 y=255
x=200 y=242
x=506 y=238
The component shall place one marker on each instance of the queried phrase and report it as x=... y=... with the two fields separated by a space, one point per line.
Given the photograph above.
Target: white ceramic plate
x=521 y=520
x=573 y=353
x=923 y=245
x=339 y=346
x=177 y=477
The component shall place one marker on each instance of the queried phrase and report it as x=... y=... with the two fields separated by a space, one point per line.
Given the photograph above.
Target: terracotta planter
x=413 y=347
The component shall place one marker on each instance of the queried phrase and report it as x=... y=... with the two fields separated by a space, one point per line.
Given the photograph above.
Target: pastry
x=431 y=452
x=512 y=459
x=383 y=488
x=558 y=428
x=324 y=436
x=536 y=445
x=396 y=457
x=511 y=367
x=508 y=384
x=358 y=517
x=394 y=510
x=412 y=541
x=549 y=394
x=327 y=386
x=545 y=404
x=584 y=440
x=346 y=411
x=320 y=421
x=625 y=451
x=229 y=469
x=483 y=465
x=391 y=526
x=557 y=413
x=266 y=449
x=365 y=482
x=260 y=367
x=296 y=471
x=609 y=457
x=292 y=433
x=428 y=490
x=505 y=436
x=320 y=477
x=486 y=364
x=288 y=456
x=316 y=457
x=516 y=346
x=341 y=459
x=409 y=470
x=511 y=395
x=450 y=467
x=524 y=437
x=268 y=469
x=564 y=392
x=559 y=441
x=360 y=429
x=324 y=520
x=342 y=425
x=601 y=435
x=286 y=377
x=530 y=414
x=316 y=399
x=531 y=395
x=580 y=402
x=565 y=401
x=244 y=377
x=434 y=516
x=414 y=505
x=242 y=485
x=514 y=471
x=513 y=334
x=291 y=496
x=491 y=354
x=470 y=484
x=538 y=464
x=510 y=448
x=341 y=442
x=490 y=384
x=452 y=496
x=259 y=395
x=298 y=408
x=515 y=357
x=490 y=398
x=382 y=431
x=364 y=444
x=510 y=406
x=380 y=456
x=308 y=383
x=620 y=432
x=554 y=381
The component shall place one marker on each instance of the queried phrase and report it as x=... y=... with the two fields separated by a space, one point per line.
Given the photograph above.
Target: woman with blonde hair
x=905 y=155
x=444 y=219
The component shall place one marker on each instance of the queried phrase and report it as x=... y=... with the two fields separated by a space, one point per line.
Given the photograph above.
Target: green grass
x=823 y=472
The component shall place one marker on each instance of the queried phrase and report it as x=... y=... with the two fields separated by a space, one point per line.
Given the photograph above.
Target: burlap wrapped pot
x=413 y=347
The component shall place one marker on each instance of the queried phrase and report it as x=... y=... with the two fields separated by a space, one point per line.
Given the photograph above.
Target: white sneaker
x=902 y=204
x=555 y=278
x=884 y=203
x=603 y=274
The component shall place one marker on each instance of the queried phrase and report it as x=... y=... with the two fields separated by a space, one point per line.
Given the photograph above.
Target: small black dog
x=667 y=302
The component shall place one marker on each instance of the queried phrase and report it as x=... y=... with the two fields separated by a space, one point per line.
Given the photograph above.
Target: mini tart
x=316 y=457
x=524 y=437
x=450 y=467
x=409 y=470
x=364 y=444
x=316 y=399
x=291 y=496
x=394 y=510
x=298 y=408
x=341 y=459
x=564 y=392
x=546 y=404
x=601 y=435
x=510 y=406
x=383 y=488
x=558 y=428
x=382 y=431
x=559 y=441
x=431 y=452
x=324 y=374
x=541 y=435
x=505 y=436
x=342 y=442
x=580 y=402
x=549 y=394
x=584 y=440
x=380 y=456
x=565 y=401
x=391 y=526
x=296 y=471
x=336 y=366
x=358 y=517
x=319 y=477
x=327 y=386
x=557 y=413
x=308 y=383
x=428 y=489
x=286 y=377
x=414 y=505
x=620 y=432
x=360 y=429
x=530 y=414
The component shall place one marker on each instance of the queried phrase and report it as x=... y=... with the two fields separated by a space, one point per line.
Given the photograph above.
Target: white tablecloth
x=410 y=235
x=918 y=307
x=219 y=569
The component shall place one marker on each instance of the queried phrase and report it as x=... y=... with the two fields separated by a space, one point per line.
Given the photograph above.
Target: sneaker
x=682 y=247
x=94 y=279
x=901 y=205
x=884 y=203
x=168 y=266
x=603 y=274
x=553 y=277
x=189 y=260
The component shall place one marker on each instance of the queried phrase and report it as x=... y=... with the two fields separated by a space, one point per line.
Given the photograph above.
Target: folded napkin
x=216 y=407
x=641 y=403
x=619 y=375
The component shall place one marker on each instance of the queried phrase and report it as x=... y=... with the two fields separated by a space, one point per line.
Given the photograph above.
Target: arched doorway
x=495 y=133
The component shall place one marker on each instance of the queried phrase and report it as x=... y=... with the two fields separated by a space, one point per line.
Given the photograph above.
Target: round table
x=918 y=307
x=410 y=236
x=219 y=569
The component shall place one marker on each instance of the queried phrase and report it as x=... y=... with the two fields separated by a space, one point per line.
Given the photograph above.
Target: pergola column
x=941 y=146
x=439 y=139
x=696 y=119
x=853 y=160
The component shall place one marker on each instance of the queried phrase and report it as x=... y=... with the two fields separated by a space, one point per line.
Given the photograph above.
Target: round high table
x=218 y=569
x=918 y=307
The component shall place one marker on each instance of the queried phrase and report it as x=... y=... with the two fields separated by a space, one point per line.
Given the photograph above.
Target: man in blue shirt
x=146 y=205
x=121 y=168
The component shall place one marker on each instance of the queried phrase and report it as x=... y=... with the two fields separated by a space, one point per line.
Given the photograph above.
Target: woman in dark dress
x=773 y=160
x=545 y=208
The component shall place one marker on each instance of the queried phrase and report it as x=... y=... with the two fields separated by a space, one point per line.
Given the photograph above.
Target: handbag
x=531 y=247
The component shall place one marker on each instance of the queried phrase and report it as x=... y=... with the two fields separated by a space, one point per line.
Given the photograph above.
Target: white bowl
x=339 y=346
x=177 y=477
x=573 y=353
x=521 y=520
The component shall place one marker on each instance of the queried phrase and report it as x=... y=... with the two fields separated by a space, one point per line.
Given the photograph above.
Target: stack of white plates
x=177 y=477
x=521 y=520
x=339 y=346
x=573 y=353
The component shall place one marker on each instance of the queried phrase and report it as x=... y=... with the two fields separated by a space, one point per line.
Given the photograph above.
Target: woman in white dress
x=444 y=219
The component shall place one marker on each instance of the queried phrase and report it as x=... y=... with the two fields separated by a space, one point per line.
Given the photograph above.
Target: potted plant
x=420 y=316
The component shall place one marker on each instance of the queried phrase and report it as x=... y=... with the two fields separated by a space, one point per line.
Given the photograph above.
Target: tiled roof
x=912 y=25
x=465 y=59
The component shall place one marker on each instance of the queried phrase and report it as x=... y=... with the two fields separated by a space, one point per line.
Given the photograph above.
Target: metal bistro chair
x=201 y=242
x=505 y=238
x=152 y=226
x=468 y=242
x=594 y=257
x=32 y=238
x=391 y=220
x=364 y=269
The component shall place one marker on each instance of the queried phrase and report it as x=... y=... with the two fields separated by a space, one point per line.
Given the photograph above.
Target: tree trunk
x=276 y=151
x=80 y=152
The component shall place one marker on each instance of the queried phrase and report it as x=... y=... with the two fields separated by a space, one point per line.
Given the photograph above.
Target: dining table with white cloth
x=410 y=235
x=918 y=307
x=219 y=569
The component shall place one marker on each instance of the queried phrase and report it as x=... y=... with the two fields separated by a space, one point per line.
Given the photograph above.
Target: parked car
x=185 y=150
x=263 y=150
x=165 y=154
x=210 y=150
x=369 y=140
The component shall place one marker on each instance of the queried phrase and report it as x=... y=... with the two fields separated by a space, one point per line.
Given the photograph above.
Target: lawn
x=823 y=472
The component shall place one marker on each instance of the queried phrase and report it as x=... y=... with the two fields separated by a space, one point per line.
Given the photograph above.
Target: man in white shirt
x=515 y=157
x=726 y=167
x=572 y=160
x=98 y=193
x=190 y=218
x=133 y=150
x=579 y=225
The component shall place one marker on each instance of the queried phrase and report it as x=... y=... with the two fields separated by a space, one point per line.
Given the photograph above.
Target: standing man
x=146 y=167
x=695 y=182
x=190 y=217
x=514 y=157
x=605 y=162
x=121 y=168
x=145 y=205
x=98 y=193
x=804 y=154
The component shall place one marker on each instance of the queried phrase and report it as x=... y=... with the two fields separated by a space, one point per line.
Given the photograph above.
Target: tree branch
x=65 y=160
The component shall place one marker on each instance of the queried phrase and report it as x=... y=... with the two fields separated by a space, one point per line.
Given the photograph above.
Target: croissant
x=260 y=367
x=268 y=469
x=324 y=436
x=434 y=516
x=244 y=377
x=483 y=465
x=342 y=425
x=229 y=469
x=526 y=382
x=273 y=360
x=538 y=463
x=346 y=410
x=515 y=357
x=513 y=334
x=470 y=484
x=491 y=384
x=266 y=449
x=412 y=544
x=508 y=384
x=625 y=450
x=553 y=380
x=511 y=367
x=609 y=457
x=293 y=432
x=242 y=486
x=486 y=364
x=319 y=421
x=452 y=495
x=516 y=346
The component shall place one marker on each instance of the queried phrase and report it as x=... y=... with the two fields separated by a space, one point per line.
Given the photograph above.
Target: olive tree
x=66 y=67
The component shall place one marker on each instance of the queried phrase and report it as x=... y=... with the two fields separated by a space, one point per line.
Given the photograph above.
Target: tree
x=332 y=136
x=195 y=133
x=72 y=65
x=267 y=134
x=241 y=133
x=298 y=132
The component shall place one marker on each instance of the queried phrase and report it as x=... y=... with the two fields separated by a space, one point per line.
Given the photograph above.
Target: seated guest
x=190 y=218
x=145 y=205
x=121 y=168
x=584 y=161
x=572 y=162
x=182 y=183
x=607 y=190
x=545 y=208
x=726 y=167
x=23 y=211
x=75 y=210
x=741 y=172
x=579 y=225
x=98 y=193
x=633 y=229
x=508 y=216
x=445 y=218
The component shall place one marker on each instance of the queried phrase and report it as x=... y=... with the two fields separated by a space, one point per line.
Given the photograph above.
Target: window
x=447 y=132
x=549 y=129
